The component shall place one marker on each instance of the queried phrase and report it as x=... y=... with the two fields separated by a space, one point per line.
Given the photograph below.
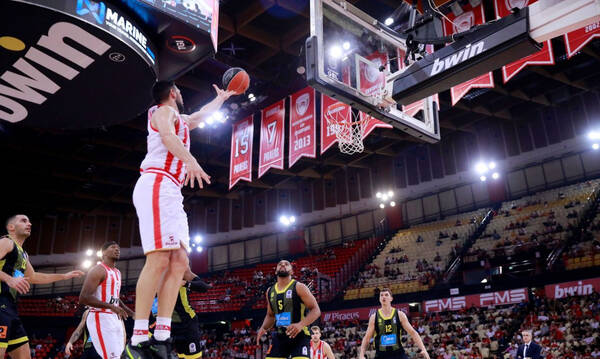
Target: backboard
x=350 y=56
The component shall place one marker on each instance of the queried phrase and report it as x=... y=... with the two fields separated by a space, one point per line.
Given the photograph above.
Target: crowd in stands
x=415 y=258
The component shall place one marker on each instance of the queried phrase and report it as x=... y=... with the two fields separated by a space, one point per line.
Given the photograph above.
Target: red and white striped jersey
x=108 y=291
x=159 y=159
x=316 y=352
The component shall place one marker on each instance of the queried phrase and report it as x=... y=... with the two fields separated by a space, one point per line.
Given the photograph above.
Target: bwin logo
x=461 y=56
x=97 y=9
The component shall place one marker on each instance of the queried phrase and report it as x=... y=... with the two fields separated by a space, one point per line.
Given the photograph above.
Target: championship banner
x=330 y=105
x=470 y=17
x=543 y=57
x=241 y=151
x=303 y=135
x=568 y=289
x=577 y=39
x=272 y=137
x=357 y=313
x=512 y=296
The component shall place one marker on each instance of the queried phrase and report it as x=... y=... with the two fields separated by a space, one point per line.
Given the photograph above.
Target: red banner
x=357 y=313
x=241 y=151
x=272 y=137
x=333 y=108
x=471 y=16
x=303 y=135
x=543 y=57
x=512 y=296
x=568 y=289
x=214 y=24
x=577 y=39
x=371 y=124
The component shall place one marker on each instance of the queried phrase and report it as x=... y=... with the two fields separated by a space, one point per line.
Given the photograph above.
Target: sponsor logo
x=579 y=288
x=335 y=316
x=192 y=347
x=27 y=83
x=438 y=305
x=505 y=297
x=302 y=103
x=288 y=294
x=181 y=44
x=304 y=350
x=456 y=58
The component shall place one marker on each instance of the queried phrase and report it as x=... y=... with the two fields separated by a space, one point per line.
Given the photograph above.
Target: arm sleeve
x=198 y=285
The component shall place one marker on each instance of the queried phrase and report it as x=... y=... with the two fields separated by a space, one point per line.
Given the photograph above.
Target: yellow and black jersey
x=14 y=264
x=287 y=306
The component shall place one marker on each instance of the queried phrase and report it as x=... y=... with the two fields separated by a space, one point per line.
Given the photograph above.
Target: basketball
x=236 y=79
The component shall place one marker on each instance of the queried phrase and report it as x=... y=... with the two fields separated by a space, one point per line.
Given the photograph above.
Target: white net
x=348 y=126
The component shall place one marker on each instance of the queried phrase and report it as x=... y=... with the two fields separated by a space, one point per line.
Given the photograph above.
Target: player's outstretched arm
x=268 y=322
x=367 y=338
x=34 y=277
x=164 y=121
x=76 y=333
x=207 y=110
x=413 y=333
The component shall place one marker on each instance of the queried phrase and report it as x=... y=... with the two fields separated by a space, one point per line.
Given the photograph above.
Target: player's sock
x=140 y=331
x=163 y=328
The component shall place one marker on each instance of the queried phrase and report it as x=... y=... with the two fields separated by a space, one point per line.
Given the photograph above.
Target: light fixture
x=595 y=146
x=335 y=52
x=484 y=280
x=252 y=99
x=378 y=194
x=390 y=194
x=381 y=205
x=481 y=168
x=287 y=220
x=388 y=21
x=594 y=135
x=292 y=219
x=393 y=204
x=346 y=45
x=492 y=165
x=197 y=238
x=495 y=175
x=199 y=249
x=89 y=252
x=86 y=264
x=384 y=197
x=483 y=178
x=99 y=254
x=201 y=125
x=189 y=249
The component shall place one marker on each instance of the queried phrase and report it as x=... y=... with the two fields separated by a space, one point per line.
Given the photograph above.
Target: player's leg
x=98 y=331
x=17 y=340
x=168 y=292
x=146 y=289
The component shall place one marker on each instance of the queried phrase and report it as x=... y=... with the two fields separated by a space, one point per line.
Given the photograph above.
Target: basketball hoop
x=348 y=126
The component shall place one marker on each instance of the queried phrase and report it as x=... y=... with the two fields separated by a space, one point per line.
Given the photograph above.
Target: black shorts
x=284 y=347
x=186 y=338
x=90 y=353
x=12 y=332
x=398 y=354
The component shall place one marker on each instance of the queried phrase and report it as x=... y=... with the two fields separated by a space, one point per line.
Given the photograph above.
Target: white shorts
x=107 y=333
x=159 y=206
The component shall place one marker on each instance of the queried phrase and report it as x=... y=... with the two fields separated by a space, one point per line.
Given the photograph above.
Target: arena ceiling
x=94 y=171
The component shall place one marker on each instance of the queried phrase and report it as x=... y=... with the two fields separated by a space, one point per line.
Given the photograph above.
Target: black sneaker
x=140 y=351
x=161 y=349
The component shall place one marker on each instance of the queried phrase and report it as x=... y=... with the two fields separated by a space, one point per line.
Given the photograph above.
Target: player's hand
x=293 y=330
x=74 y=274
x=223 y=94
x=68 y=348
x=196 y=173
x=120 y=312
x=260 y=333
x=21 y=285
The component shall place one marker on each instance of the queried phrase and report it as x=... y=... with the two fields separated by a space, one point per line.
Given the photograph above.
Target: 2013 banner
x=272 y=138
x=240 y=158
x=470 y=17
x=303 y=132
